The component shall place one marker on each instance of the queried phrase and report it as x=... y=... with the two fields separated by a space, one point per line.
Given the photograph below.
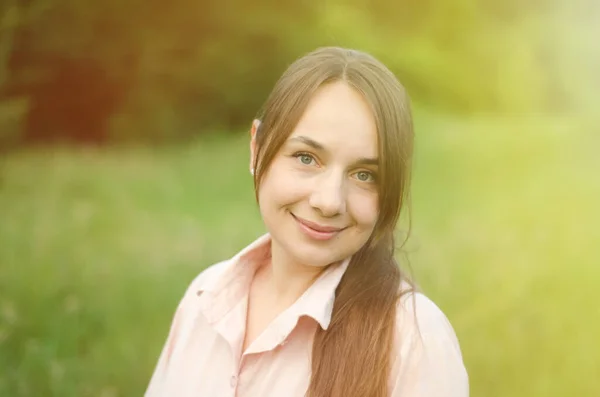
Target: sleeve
x=428 y=362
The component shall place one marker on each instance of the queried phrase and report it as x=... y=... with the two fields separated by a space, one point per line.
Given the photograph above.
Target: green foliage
x=463 y=56
x=185 y=67
x=12 y=113
x=182 y=64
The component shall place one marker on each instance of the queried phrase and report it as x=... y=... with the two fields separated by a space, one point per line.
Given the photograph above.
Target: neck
x=287 y=280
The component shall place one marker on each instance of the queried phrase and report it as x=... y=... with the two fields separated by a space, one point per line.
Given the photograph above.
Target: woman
x=318 y=307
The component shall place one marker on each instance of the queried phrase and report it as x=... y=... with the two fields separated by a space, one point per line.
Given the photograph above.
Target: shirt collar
x=317 y=301
x=233 y=284
x=242 y=265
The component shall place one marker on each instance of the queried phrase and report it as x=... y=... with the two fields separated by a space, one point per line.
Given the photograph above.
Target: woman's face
x=319 y=197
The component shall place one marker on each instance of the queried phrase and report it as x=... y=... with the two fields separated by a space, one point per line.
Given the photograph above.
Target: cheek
x=280 y=187
x=364 y=209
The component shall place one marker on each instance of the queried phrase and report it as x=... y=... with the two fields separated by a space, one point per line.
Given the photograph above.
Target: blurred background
x=124 y=173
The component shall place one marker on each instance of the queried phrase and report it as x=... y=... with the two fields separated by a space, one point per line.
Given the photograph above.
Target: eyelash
x=302 y=154
x=373 y=175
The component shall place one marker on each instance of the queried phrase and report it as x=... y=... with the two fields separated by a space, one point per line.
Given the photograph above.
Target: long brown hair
x=352 y=358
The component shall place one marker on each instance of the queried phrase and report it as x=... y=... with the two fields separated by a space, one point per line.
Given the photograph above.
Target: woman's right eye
x=305 y=158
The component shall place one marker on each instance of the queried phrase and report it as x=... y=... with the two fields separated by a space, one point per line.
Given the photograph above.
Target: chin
x=313 y=261
x=313 y=255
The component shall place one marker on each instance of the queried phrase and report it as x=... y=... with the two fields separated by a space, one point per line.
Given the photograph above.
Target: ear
x=253 y=129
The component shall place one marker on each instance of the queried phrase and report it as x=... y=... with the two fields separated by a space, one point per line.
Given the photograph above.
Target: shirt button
x=233 y=380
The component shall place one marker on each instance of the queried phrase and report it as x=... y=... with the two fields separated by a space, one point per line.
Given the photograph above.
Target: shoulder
x=427 y=360
x=188 y=303
x=210 y=275
x=417 y=313
x=207 y=277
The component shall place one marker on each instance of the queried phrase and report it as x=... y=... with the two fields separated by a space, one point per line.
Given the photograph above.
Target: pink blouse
x=203 y=356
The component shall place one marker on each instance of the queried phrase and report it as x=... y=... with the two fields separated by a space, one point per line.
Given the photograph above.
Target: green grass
x=97 y=247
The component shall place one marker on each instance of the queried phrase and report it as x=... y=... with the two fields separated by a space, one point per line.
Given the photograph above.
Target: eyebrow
x=310 y=142
x=317 y=146
x=368 y=161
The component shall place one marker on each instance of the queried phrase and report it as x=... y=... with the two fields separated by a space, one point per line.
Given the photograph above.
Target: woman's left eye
x=365 y=176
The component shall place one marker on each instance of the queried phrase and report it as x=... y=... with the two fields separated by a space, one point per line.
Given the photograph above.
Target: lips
x=317 y=227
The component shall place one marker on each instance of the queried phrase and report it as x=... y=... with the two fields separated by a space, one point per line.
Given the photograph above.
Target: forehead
x=339 y=118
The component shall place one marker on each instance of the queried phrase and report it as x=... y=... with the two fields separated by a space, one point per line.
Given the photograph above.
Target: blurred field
x=98 y=246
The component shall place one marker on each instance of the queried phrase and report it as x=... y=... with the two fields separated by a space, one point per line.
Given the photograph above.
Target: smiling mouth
x=315 y=230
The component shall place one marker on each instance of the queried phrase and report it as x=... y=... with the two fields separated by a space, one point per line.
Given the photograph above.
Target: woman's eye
x=365 y=176
x=304 y=158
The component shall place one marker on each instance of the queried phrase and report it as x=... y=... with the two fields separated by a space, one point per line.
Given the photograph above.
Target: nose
x=329 y=196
